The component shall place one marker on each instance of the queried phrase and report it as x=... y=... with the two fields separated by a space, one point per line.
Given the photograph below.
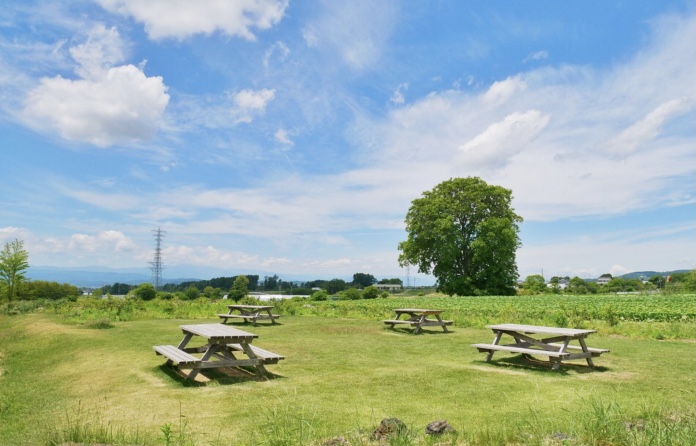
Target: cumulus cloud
x=249 y=103
x=182 y=18
x=504 y=139
x=103 y=241
x=9 y=233
x=107 y=105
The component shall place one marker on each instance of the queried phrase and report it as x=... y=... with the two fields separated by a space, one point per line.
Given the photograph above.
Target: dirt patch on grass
x=39 y=326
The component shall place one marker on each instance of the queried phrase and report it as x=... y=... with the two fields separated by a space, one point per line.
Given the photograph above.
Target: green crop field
x=85 y=373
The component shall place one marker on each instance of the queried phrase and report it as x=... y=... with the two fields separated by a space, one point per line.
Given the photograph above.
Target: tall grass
x=600 y=422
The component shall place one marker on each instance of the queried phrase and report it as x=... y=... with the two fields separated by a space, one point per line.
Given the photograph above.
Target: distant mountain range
x=649 y=274
x=93 y=277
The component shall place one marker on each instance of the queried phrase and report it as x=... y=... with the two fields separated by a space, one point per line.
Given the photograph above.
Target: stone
x=438 y=427
x=389 y=427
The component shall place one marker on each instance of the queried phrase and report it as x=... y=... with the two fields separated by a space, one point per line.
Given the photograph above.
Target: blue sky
x=290 y=137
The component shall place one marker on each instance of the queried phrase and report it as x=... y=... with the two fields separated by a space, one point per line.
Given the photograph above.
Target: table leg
x=419 y=321
x=270 y=315
x=182 y=344
x=498 y=335
x=586 y=351
x=206 y=356
x=442 y=324
x=261 y=370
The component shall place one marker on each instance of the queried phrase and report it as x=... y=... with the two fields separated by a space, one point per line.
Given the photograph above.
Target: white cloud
x=283 y=137
x=102 y=50
x=10 y=233
x=108 y=105
x=278 y=51
x=248 y=100
x=539 y=55
x=398 y=94
x=648 y=128
x=182 y=18
x=502 y=140
x=249 y=103
x=501 y=91
x=616 y=253
x=356 y=31
x=553 y=155
x=106 y=241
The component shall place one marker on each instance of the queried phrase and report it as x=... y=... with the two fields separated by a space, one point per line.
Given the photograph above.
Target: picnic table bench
x=251 y=313
x=556 y=347
x=418 y=318
x=222 y=347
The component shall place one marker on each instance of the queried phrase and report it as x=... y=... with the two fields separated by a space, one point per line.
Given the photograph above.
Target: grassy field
x=342 y=376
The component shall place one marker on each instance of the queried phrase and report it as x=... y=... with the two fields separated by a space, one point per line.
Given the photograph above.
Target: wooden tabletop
x=219 y=333
x=540 y=330
x=251 y=307
x=417 y=310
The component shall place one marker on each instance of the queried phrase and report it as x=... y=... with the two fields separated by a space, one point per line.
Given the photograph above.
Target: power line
x=156 y=264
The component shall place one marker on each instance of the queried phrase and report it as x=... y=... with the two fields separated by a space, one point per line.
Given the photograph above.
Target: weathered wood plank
x=598 y=351
x=509 y=348
x=259 y=352
x=574 y=332
x=176 y=355
x=401 y=321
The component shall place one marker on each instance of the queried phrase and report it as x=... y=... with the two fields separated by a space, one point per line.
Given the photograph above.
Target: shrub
x=145 y=291
x=370 y=292
x=319 y=295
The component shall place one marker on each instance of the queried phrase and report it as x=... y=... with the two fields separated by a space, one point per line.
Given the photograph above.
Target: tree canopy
x=14 y=262
x=465 y=233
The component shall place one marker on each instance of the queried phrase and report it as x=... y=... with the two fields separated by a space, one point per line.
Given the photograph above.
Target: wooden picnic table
x=251 y=313
x=418 y=318
x=552 y=342
x=222 y=346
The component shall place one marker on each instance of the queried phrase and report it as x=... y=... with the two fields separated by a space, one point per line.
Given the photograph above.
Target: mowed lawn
x=340 y=376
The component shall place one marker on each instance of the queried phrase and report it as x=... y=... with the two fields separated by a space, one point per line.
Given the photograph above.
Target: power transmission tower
x=156 y=264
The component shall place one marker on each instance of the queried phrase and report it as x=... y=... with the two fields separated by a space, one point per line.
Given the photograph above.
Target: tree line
x=14 y=263
x=679 y=282
x=220 y=286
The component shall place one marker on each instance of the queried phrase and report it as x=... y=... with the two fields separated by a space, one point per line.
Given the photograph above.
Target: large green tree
x=465 y=233
x=363 y=280
x=240 y=288
x=14 y=262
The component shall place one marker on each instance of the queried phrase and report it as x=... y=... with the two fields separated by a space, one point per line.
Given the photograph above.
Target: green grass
x=341 y=377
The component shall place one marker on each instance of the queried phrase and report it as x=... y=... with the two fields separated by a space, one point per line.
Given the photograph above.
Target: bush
x=192 y=293
x=349 y=294
x=370 y=292
x=319 y=295
x=145 y=291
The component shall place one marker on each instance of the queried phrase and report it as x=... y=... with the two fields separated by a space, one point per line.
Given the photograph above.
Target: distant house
x=387 y=286
x=562 y=284
x=604 y=280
